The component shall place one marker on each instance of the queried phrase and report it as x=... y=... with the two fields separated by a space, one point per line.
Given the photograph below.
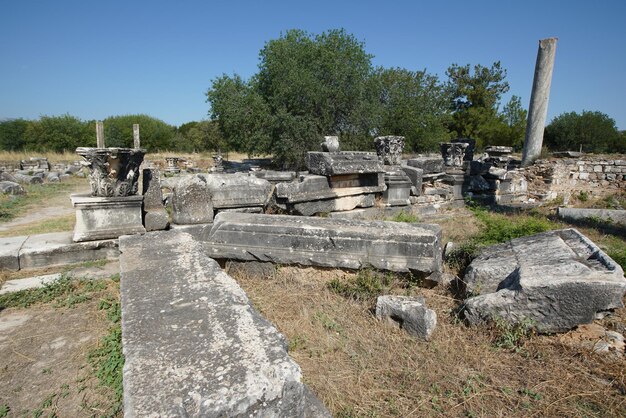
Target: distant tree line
x=66 y=133
x=308 y=86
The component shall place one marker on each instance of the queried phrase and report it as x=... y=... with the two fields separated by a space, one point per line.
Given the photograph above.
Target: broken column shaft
x=538 y=108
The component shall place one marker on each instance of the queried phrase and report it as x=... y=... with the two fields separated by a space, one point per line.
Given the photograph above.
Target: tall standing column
x=136 y=143
x=538 y=108
x=99 y=135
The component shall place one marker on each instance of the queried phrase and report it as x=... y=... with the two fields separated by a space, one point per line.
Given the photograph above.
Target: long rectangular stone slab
x=345 y=162
x=194 y=345
x=607 y=215
x=327 y=242
x=312 y=187
x=57 y=248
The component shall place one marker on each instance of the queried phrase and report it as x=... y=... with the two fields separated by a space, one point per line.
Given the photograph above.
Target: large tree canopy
x=475 y=102
x=588 y=131
x=309 y=86
x=412 y=104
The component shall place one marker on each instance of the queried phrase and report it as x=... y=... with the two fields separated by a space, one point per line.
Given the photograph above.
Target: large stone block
x=193 y=343
x=313 y=188
x=430 y=165
x=9 y=187
x=345 y=162
x=237 y=190
x=155 y=217
x=338 y=204
x=106 y=217
x=415 y=175
x=191 y=201
x=326 y=242
x=556 y=280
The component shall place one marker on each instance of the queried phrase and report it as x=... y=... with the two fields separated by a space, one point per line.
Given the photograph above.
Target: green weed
x=404 y=217
x=107 y=360
x=64 y=292
x=297 y=343
x=327 y=322
x=365 y=285
x=4 y=410
x=512 y=336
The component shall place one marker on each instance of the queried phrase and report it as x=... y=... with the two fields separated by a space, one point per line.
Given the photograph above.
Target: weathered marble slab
x=10 y=252
x=343 y=162
x=237 y=190
x=194 y=345
x=327 y=242
x=313 y=187
x=556 y=280
x=606 y=215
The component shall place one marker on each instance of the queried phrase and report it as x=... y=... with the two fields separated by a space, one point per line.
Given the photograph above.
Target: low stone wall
x=597 y=175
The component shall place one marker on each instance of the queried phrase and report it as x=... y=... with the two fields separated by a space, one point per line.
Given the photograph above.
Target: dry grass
x=53 y=157
x=201 y=160
x=361 y=367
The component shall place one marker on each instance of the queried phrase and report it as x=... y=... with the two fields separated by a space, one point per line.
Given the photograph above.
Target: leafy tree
x=242 y=113
x=307 y=86
x=412 y=104
x=206 y=136
x=315 y=86
x=475 y=105
x=590 y=131
x=12 y=134
x=154 y=133
x=59 y=134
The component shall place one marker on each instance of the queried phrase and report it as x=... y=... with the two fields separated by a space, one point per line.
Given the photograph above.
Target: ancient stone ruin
x=193 y=343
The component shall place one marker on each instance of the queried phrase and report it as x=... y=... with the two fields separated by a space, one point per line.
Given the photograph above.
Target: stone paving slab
x=57 y=248
x=28 y=283
x=10 y=252
x=194 y=345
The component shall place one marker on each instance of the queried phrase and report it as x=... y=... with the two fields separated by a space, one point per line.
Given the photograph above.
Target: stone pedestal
x=398 y=188
x=106 y=217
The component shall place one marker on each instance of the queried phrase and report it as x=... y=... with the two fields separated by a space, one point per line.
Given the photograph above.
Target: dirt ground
x=43 y=361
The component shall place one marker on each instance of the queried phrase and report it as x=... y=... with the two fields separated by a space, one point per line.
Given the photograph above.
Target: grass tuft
x=367 y=284
x=107 y=360
x=404 y=217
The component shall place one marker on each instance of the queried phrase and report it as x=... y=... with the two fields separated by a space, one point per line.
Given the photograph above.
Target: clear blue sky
x=94 y=59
